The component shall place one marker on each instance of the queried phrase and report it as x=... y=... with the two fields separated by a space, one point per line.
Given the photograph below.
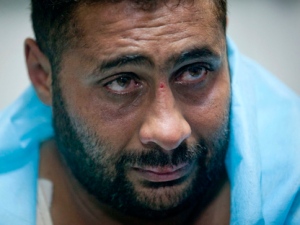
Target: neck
x=71 y=204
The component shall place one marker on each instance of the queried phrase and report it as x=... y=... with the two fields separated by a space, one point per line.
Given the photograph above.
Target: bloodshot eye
x=192 y=74
x=122 y=84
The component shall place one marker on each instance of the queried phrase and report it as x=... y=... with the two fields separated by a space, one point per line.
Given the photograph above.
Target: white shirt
x=45 y=191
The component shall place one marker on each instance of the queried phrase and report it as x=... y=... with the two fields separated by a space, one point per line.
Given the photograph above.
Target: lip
x=163 y=174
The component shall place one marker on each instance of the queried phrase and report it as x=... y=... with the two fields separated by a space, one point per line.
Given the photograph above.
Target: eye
x=122 y=84
x=190 y=74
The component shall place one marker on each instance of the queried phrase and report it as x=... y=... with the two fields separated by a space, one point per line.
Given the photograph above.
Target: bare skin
x=156 y=108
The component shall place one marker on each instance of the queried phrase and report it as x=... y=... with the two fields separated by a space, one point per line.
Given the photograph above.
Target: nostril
x=171 y=144
x=168 y=138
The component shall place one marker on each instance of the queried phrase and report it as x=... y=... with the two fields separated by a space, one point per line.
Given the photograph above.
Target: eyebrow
x=136 y=59
x=193 y=53
x=173 y=61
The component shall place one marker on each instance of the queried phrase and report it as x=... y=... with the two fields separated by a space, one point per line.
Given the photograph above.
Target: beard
x=103 y=171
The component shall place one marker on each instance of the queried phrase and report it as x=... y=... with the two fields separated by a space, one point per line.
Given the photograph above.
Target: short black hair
x=53 y=27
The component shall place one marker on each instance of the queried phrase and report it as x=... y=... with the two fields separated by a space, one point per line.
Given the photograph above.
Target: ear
x=39 y=70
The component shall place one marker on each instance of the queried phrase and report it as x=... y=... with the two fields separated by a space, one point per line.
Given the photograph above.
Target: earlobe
x=39 y=71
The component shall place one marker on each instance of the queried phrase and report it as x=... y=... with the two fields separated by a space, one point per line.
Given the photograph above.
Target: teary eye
x=123 y=81
x=122 y=84
x=192 y=74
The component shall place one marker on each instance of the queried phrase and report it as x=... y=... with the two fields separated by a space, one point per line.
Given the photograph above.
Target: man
x=157 y=120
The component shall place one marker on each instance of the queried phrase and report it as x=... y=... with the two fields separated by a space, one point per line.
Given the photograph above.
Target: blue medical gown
x=263 y=159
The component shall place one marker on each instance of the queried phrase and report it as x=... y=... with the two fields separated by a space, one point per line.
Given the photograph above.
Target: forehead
x=107 y=29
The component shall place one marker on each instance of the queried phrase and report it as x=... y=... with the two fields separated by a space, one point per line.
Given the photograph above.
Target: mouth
x=163 y=174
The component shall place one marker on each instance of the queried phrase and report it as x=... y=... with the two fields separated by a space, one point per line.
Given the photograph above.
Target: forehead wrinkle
x=131 y=33
x=129 y=18
x=85 y=15
x=175 y=32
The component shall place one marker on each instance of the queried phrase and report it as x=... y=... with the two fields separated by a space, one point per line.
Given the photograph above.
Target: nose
x=164 y=123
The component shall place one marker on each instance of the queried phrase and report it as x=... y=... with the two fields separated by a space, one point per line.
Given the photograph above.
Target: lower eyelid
x=137 y=86
x=198 y=80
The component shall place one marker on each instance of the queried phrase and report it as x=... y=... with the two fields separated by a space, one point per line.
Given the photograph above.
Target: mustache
x=157 y=157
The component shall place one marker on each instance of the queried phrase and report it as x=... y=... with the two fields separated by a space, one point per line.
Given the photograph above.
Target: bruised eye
x=122 y=84
x=192 y=74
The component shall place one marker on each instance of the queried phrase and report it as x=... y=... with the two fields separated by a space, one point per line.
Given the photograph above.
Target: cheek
x=208 y=118
x=206 y=121
x=114 y=125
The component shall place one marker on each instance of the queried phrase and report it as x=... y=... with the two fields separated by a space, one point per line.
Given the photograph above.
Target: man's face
x=141 y=105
